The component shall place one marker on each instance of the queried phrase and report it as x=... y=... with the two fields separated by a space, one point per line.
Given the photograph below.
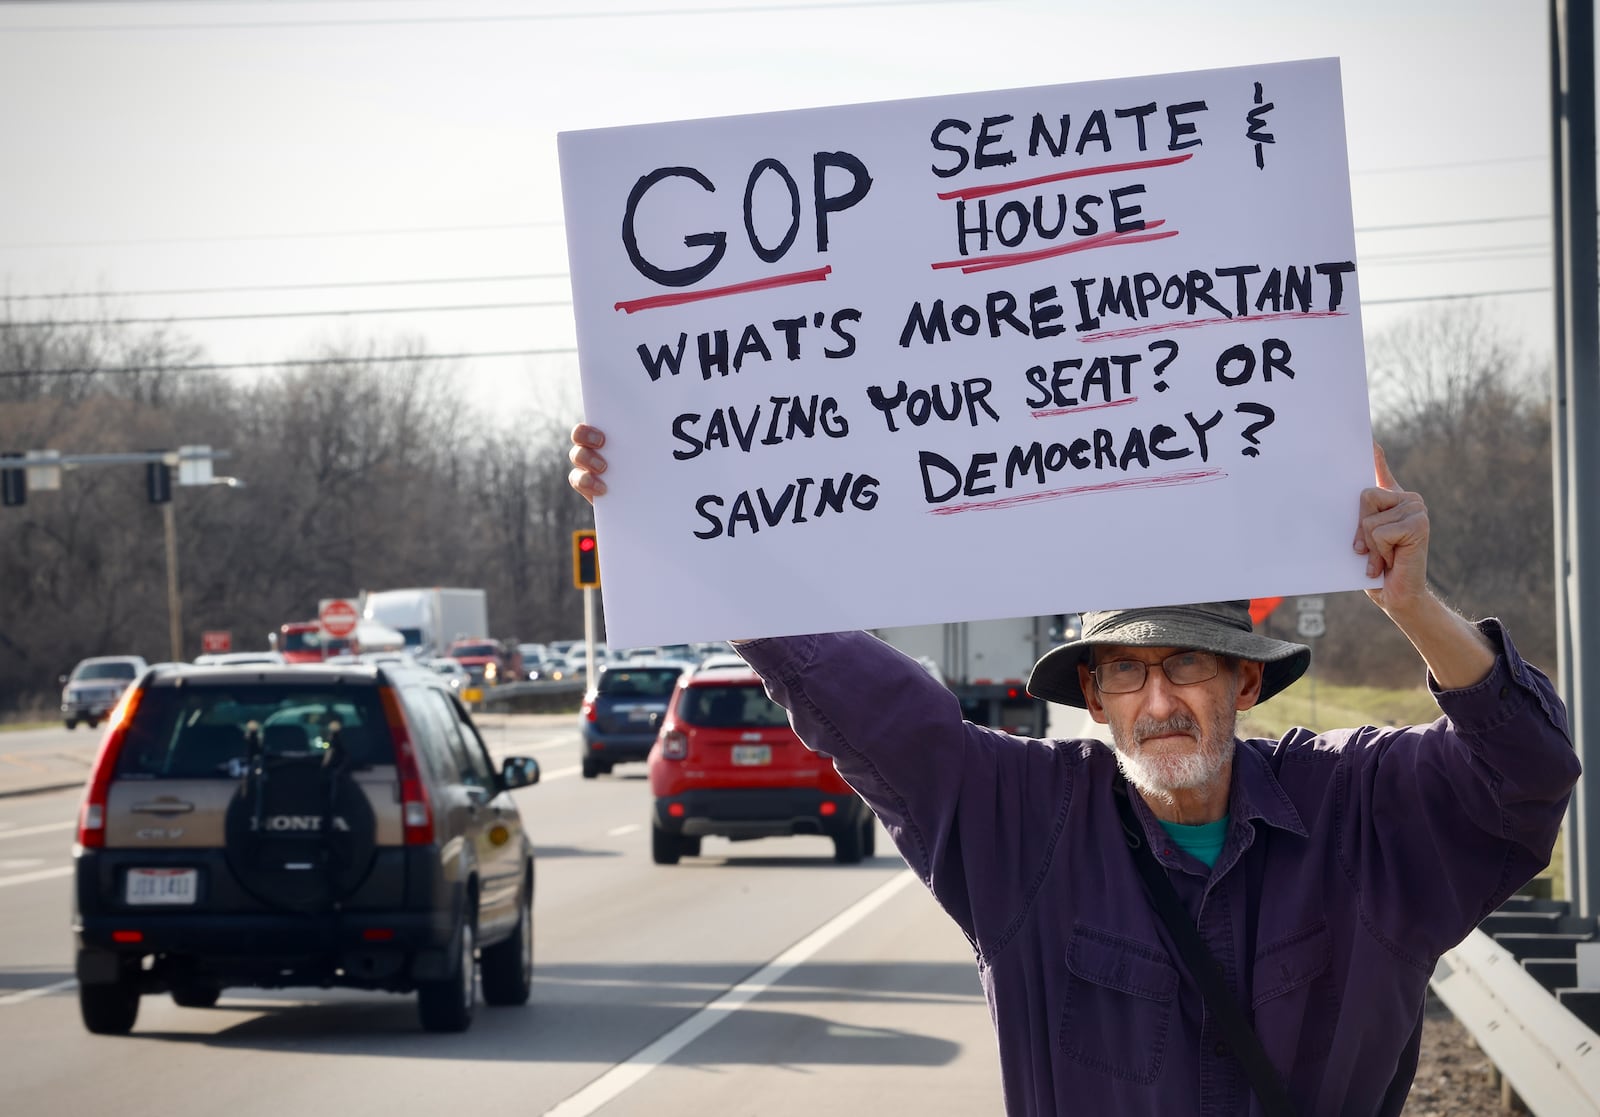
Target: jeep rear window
x=104 y=671
x=201 y=732
x=639 y=682
x=742 y=706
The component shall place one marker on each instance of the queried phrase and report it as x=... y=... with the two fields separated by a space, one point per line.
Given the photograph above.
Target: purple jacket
x=1353 y=860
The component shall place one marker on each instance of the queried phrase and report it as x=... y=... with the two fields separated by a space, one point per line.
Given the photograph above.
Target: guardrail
x=1527 y=1024
x=537 y=697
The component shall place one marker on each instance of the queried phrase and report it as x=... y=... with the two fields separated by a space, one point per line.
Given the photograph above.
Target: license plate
x=163 y=886
x=638 y=715
x=472 y=694
x=752 y=754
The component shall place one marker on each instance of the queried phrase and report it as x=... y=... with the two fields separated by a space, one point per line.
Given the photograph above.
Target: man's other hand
x=587 y=463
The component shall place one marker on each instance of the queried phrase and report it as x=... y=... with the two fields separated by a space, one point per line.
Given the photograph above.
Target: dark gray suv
x=300 y=826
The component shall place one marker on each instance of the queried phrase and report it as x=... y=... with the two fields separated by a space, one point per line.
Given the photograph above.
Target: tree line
x=364 y=471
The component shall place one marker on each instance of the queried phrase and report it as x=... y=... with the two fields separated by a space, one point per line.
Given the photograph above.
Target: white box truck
x=429 y=618
x=986 y=664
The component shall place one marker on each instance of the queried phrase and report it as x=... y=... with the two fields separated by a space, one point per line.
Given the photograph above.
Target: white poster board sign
x=999 y=354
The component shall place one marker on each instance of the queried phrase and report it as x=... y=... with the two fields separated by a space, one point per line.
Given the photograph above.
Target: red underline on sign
x=1192 y=477
x=815 y=275
x=967 y=193
x=1099 y=240
x=1084 y=407
x=1135 y=331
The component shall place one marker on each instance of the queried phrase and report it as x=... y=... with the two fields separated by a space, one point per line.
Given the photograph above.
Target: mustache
x=1145 y=728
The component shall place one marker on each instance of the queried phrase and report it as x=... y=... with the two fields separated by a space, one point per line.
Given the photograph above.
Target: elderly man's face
x=1170 y=736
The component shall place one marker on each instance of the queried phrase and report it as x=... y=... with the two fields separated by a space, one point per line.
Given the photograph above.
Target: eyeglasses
x=1124 y=676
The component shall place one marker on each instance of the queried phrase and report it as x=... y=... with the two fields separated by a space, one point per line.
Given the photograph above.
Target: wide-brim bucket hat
x=1222 y=627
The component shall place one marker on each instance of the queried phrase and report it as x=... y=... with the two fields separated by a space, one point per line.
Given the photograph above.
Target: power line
x=502 y=227
x=1458 y=295
x=1454 y=163
x=1451 y=224
x=250 y=287
x=563 y=350
x=303 y=363
x=285 y=314
x=518 y=17
x=326 y=234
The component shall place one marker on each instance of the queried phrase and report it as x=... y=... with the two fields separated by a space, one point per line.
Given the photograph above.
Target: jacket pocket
x=1289 y=963
x=1118 y=1004
x=1295 y=998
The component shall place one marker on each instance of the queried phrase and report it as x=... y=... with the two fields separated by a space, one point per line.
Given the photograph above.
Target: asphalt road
x=761 y=978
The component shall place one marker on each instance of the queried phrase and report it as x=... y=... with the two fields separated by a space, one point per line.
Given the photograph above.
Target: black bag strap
x=1241 y=1036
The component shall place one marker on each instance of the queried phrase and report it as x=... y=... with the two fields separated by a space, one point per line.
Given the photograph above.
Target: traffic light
x=158 y=482
x=13 y=484
x=585 y=559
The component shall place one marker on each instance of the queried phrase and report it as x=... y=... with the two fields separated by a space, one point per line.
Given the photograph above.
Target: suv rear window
x=638 y=682
x=736 y=706
x=474 y=649
x=200 y=732
x=104 y=671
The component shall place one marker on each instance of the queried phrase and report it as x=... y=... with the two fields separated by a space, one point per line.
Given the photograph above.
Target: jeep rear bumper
x=759 y=813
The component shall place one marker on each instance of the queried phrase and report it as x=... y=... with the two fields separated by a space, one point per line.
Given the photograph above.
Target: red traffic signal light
x=585 y=559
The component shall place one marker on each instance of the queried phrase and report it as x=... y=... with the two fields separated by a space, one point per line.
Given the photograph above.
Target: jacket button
x=1221 y=1049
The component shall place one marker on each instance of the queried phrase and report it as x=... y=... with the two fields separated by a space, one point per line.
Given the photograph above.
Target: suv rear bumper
x=758 y=813
x=372 y=950
x=617 y=746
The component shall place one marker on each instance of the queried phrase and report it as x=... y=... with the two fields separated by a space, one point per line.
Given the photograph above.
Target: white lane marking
x=24 y=831
x=42 y=991
x=12 y=864
x=560 y=773
x=621 y=830
x=620 y=1077
x=29 y=878
x=560 y=743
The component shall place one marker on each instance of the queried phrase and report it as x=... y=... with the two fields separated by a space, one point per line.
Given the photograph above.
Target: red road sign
x=215 y=642
x=338 y=616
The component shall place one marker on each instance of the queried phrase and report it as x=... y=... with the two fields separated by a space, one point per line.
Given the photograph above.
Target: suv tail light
x=92 y=815
x=675 y=744
x=416 y=813
x=587 y=713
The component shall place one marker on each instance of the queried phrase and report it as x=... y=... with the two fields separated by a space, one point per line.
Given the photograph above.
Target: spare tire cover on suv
x=300 y=832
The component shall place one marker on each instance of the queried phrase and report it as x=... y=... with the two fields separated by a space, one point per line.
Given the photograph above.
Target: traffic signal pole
x=169 y=523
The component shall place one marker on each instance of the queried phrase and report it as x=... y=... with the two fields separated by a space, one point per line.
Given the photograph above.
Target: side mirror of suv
x=519 y=771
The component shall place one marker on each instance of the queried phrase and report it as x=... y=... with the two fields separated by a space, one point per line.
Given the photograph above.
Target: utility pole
x=1577 y=451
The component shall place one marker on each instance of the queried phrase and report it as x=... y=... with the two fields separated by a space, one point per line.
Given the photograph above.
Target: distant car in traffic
x=306 y=825
x=726 y=763
x=90 y=692
x=452 y=672
x=240 y=659
x=620 y=714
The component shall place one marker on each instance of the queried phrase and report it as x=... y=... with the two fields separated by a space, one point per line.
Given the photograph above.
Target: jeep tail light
x=675 y=744
x=92 y=815
x=416 y=814
x=588 y=713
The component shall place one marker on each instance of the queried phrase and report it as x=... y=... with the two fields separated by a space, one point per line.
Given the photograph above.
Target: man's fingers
x=585 y=435
x=1380 y=468
x=585 y=458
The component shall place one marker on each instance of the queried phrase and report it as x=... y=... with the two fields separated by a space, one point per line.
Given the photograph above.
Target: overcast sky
x=212 y=145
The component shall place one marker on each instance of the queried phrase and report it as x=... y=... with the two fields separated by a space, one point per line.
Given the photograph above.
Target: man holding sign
x=966 y=338
x=1324 y=873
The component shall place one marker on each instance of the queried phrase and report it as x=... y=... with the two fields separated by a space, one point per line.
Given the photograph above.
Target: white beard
x=1158 y=775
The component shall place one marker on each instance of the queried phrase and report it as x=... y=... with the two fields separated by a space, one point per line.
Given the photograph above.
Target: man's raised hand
x=1393 y=534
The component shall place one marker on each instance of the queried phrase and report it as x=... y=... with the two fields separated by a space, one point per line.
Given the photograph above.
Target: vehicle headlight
x=489 y=671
